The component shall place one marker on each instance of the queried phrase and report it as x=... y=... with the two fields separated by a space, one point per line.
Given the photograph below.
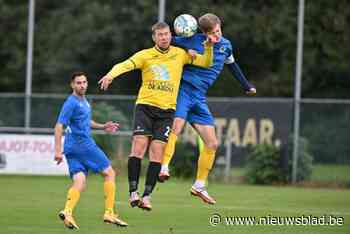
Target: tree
x=94 y=35
x=13 y=18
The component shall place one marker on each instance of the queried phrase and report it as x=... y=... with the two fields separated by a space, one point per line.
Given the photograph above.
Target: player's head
x=161 y=35
x=79 y=83
x=210 y=25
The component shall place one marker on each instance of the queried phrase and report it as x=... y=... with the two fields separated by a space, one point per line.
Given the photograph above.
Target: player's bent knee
x=176 y=129
x=109 y=173
x=156 y=151
x=139 y=146
x=213 y=145
x=138 y=152
x=113 y=174
x=156 y=155
x=178 y=126
x=156 y=158
x=80 y=185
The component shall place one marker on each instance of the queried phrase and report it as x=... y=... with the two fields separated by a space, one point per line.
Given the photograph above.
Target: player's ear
x=153 y=38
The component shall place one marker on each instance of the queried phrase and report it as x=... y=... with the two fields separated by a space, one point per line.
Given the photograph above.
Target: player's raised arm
x=134 y=62
x=202 y=60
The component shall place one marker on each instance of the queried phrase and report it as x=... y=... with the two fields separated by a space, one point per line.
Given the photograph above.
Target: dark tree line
x=93 y=35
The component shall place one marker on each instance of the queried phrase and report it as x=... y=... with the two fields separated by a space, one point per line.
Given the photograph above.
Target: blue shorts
x=193 y=107
x=85 y=158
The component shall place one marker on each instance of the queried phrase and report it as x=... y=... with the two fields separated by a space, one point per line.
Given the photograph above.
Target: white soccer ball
x=185 y=25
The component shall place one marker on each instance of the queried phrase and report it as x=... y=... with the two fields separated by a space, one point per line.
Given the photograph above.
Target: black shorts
x=153 y=121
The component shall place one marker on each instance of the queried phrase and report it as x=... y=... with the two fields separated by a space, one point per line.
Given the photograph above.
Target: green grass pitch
x=29 y=205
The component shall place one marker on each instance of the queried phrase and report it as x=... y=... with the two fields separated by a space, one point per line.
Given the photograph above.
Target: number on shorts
x=167 y=131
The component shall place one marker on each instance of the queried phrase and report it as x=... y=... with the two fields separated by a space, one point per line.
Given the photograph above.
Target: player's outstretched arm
x=134 y=62
x=192 y=53
x=202 y=60
x=58 y=143
x=238 y=74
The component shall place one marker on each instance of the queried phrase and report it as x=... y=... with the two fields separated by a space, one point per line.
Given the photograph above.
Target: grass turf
x=331 y=173
x=323 y=173
x=29 y=205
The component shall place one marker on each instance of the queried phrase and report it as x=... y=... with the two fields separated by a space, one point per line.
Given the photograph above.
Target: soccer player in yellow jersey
x=161 y=68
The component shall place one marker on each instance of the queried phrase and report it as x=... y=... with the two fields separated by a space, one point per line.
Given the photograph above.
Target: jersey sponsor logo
x=161 y=86
x=160 y=72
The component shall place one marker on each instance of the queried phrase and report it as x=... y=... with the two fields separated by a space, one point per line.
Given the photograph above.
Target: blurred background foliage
x=94 y=35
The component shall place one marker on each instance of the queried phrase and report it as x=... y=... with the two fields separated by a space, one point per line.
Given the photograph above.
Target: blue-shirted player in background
x=82 y=153
x=191 y=102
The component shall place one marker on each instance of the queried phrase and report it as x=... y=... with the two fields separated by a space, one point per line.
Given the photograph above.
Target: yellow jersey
x=161 y=73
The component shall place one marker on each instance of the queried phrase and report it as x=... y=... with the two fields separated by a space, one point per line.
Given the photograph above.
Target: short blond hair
x=159 y=25
x=208 y=21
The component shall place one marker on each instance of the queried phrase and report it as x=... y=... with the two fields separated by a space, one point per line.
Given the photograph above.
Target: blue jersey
x=76 y=116
x=80 y=149
x=203 y=78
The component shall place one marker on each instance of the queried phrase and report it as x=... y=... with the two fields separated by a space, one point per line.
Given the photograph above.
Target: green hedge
x=263 y=165
x=184 y=162
x=268 y=164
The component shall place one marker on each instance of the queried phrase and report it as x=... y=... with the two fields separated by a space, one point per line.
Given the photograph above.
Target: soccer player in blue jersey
x=81 y=152
x=191 y=101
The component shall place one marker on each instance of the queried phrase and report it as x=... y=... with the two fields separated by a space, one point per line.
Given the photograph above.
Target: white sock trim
x=199 y=184
x=164 y=168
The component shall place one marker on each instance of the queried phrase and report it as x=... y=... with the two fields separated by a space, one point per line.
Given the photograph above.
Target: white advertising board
x=29 y=154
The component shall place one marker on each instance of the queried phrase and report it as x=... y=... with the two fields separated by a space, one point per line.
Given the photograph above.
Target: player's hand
x=105 y=82
x=110 y=127
x=58 y=158
x=251 y=91
x=192 y=53
x=208 y=42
